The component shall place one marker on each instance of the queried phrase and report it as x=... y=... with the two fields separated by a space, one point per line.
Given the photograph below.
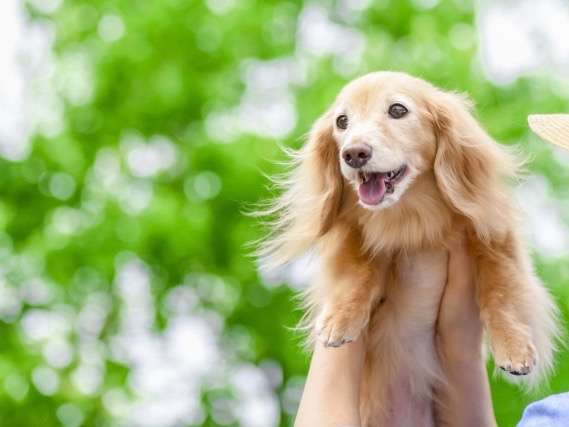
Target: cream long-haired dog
x=389 y=173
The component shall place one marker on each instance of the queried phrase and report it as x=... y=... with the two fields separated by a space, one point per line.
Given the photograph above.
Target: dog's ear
x=311 y=200
x=470 y=167
x=320 y=173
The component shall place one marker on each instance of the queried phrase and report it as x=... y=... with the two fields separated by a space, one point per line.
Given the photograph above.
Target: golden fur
x=393 y=258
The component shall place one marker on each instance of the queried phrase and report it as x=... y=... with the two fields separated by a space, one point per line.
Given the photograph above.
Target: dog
x=388 y=174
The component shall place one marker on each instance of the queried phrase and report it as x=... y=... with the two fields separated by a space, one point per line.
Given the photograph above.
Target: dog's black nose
x=356 y=155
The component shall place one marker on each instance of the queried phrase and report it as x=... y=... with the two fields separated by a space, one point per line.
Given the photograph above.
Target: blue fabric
x=553 y=411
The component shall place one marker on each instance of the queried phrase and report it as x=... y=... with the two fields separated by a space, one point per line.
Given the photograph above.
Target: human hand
x=459 y=326
x=331 y=393
x=464 y=396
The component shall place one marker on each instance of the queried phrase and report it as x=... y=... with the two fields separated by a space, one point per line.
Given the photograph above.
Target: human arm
x=331 y=393
x=464 y=397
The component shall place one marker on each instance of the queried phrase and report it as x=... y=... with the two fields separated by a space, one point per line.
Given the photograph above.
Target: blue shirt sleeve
x=553 y=411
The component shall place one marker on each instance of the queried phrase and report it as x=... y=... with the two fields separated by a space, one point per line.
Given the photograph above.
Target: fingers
x=460 y=264
x=460 y=268
x=459 y=314
x=457 y=239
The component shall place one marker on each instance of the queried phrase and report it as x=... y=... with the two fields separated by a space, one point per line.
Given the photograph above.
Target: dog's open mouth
x=375 y=185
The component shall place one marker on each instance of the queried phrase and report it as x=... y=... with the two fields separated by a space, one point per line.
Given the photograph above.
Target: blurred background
x=133 y=133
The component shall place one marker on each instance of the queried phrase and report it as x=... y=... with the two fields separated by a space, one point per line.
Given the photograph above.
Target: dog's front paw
x=517 y=356
x=338 y=325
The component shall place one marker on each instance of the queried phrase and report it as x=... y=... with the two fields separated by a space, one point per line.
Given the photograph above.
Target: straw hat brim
x=553 y=128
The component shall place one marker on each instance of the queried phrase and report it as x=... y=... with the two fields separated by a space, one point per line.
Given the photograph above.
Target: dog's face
x=384 y=136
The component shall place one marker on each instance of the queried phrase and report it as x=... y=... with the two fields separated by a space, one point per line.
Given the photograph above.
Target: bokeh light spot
x=70 y=415
x=62 y=186
x=46 y=380
x=111 y=28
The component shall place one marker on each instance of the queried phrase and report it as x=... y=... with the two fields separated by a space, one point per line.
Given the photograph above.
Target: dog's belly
x=402 y=363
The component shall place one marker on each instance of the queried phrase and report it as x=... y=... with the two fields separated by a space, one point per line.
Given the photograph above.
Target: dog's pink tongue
x=372 y=191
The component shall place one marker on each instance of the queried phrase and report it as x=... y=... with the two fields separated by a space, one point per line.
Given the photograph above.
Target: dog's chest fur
x=401 y=363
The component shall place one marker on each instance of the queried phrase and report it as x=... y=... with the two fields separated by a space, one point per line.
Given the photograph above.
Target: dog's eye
x=397 y=111
x=342 y=121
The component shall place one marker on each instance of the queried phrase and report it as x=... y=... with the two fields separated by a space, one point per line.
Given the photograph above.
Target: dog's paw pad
x=518 y=360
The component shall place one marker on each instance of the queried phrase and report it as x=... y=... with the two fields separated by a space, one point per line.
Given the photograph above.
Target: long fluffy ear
x=311 y=199
x=471 y=169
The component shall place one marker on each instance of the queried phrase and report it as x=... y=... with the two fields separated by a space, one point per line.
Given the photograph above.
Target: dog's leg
x=349 y=284
x=504 y=288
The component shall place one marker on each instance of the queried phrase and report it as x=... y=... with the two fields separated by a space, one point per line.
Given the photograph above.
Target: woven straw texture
x=553 y=128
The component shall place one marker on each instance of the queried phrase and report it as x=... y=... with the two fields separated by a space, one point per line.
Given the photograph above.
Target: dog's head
x=380 y=125
x=386 y=129
x=385 y=132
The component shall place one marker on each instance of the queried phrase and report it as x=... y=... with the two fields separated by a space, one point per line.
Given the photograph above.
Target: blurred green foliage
x=172 y=67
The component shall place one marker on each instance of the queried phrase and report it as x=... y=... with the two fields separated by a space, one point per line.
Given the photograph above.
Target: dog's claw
x=338 y=343
x=518 y=361
x=335 y=328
